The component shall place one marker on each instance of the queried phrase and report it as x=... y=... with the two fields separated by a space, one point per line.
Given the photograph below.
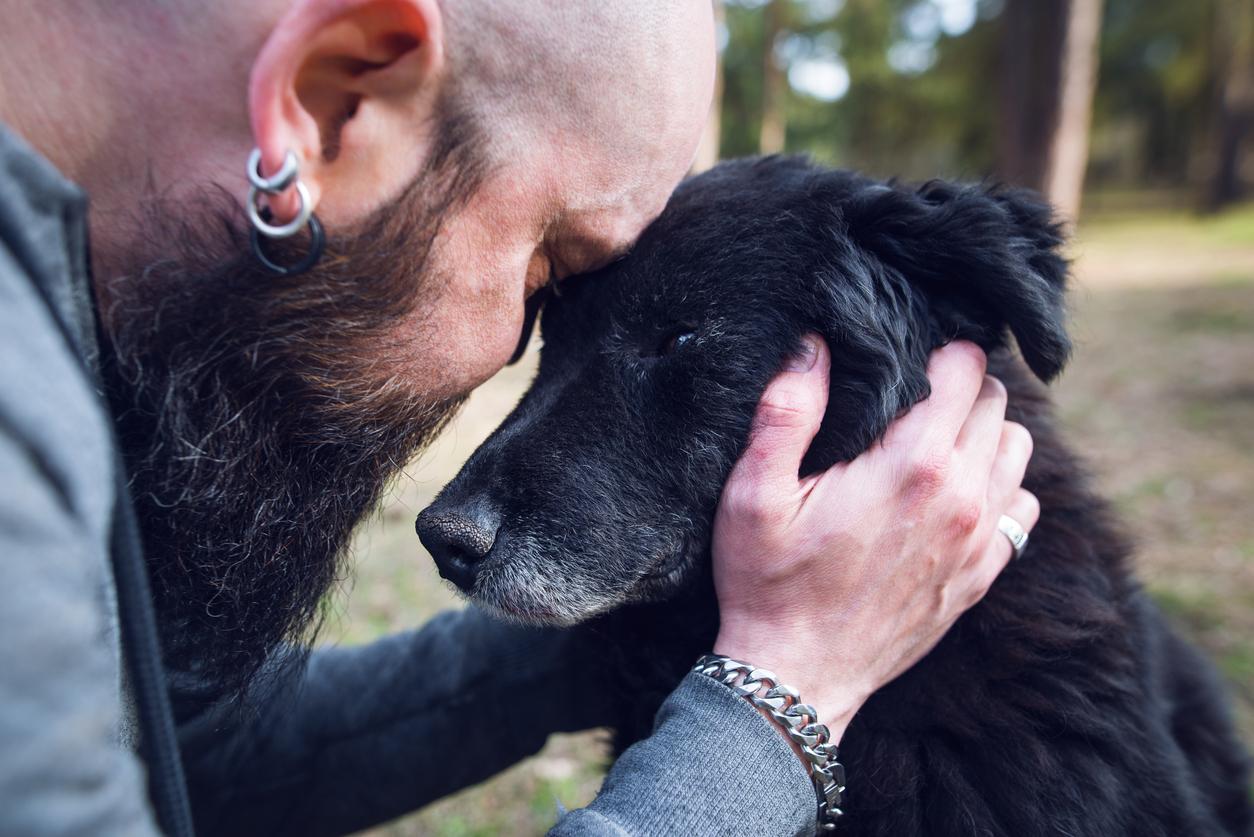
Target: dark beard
x=261 y=420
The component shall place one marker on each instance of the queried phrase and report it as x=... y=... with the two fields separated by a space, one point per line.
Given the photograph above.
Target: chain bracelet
x=798 y=720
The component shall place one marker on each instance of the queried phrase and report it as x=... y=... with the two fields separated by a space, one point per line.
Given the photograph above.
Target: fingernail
x=803 y=361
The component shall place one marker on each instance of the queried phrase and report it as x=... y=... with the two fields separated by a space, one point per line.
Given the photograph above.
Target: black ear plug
x=531 y=310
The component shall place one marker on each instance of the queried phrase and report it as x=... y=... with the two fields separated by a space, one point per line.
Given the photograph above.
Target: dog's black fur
x=1060 y=705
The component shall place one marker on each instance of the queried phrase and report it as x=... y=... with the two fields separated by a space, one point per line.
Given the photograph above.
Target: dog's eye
x=676 y=341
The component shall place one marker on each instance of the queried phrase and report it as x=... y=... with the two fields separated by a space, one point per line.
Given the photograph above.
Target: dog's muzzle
x=458 y=540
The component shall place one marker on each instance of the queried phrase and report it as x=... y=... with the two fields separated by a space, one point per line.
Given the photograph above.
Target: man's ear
x=349 y=86
x=984 y=259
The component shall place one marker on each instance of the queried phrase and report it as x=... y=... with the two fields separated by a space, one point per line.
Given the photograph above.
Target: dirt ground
x=1159 y=398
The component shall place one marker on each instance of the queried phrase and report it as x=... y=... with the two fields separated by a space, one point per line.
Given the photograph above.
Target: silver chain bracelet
x=798 y=720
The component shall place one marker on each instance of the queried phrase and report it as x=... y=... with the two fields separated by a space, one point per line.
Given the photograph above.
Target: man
x=459 y=155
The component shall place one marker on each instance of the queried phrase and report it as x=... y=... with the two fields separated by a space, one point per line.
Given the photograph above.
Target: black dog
x=1060 y=705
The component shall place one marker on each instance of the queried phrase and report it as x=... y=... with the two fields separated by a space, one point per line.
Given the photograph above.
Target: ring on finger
x=1017 y=535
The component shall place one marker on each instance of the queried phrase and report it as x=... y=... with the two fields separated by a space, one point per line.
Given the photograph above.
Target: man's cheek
x=448 y=350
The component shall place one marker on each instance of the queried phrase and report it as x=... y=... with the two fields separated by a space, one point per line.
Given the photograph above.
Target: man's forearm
x=357 y=736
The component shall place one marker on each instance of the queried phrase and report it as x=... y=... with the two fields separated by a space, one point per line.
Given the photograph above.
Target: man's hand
x=841 y=581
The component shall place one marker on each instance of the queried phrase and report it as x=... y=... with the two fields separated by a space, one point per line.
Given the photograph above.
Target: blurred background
x=1135 y=117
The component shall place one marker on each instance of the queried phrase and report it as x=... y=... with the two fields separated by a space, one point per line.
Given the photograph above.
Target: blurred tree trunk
x=774 y=81
x=708 y=150
x=1049 y=73
x=1033 y=32
x=1234 y=115
x=1070 y=153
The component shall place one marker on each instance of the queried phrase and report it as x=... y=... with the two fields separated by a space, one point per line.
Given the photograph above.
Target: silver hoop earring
x=259 y=217
x=263 y=226
x=281 y=179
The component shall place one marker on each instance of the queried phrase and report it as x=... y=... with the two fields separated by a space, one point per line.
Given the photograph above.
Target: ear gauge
x=259 y=217
x=531 y=310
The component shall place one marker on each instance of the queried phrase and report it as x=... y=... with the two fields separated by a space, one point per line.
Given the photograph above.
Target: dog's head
x=600 y=487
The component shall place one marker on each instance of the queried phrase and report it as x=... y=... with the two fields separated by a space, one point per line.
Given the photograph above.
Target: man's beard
x=262 y=418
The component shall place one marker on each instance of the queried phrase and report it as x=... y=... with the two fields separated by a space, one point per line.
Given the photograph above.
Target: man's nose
x=458 y=538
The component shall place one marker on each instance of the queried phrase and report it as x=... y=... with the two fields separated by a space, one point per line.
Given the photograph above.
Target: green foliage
x=930 y=119
x=922 y=98
x=742 y=82
x=1156 y=94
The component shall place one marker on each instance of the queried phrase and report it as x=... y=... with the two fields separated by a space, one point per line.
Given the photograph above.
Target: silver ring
x=280 y=180
x=1018 y=536
x=282 y=230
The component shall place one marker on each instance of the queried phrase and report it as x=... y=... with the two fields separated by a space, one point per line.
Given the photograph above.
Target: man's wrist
x=798 y=721
x=832 y=694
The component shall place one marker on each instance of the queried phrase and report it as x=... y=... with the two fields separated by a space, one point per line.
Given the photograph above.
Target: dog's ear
x=984 y=259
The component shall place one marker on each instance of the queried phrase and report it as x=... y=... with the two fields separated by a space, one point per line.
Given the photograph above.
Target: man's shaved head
x=543 y=68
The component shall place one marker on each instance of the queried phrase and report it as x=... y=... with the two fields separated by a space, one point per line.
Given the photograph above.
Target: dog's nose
x=458 y=541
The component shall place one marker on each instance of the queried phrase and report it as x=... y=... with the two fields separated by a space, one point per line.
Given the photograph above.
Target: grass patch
x=1198 y=611
x=1233 y=279
x=1231 y=228
x=549 y=794
x=1213 y=320
x=457 y=826
x=1235 y=226
x=1204 y=415
x=1238 y=662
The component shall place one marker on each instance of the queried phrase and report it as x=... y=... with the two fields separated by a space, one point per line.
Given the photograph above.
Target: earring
x=259 y=217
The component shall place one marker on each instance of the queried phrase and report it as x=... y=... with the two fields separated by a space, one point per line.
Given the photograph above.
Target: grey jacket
x=351 y=738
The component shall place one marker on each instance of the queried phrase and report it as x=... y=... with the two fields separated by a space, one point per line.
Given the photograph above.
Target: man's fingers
x=981 y=436
x=956 y=374
x=980 y=432
x=1023 y=509
x=1006 y=496
x=788 y=417
x=1013 y=453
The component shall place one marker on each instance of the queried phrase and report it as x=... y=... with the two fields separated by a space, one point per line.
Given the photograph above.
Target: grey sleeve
x=713 y=765
x=63 y=769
